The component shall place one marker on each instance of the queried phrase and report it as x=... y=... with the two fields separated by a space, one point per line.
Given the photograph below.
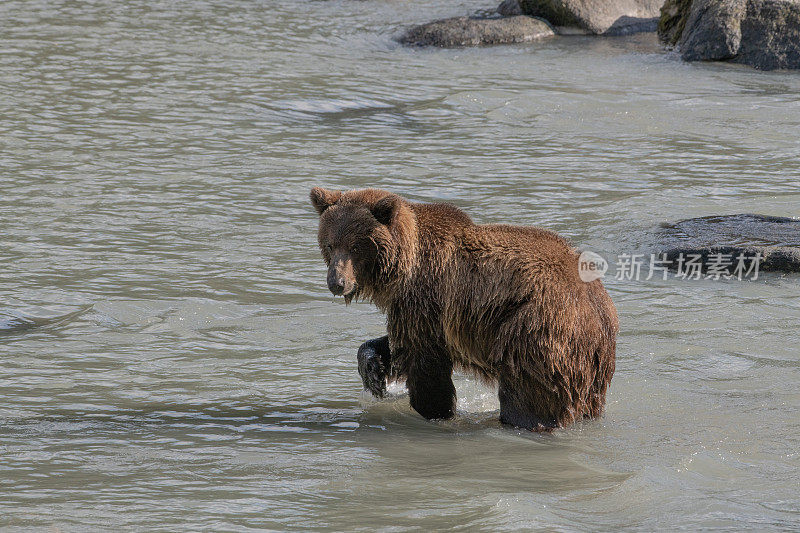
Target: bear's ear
x=322 y=199
x=384 y=209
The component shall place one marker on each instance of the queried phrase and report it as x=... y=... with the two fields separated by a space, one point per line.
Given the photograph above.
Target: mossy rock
x=674 y=14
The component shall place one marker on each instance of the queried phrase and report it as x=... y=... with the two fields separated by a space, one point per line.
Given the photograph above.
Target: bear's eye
x=359 y=248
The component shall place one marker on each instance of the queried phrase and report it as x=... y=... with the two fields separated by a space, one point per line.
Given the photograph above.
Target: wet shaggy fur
x=502 y=302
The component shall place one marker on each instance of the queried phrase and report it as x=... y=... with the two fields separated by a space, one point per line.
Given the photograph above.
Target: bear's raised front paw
x=371 y=369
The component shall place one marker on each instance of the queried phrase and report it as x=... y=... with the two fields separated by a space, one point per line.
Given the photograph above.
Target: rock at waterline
x=607 y=17
x=469 y=31
x=776 y=240
x=764 y=34
x=672 y=21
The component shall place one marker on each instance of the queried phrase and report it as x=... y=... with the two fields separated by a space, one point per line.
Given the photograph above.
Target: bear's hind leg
x=374 y=365
x=519 y=409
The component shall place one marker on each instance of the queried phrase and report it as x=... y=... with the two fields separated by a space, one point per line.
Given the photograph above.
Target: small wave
x=11 y=322
x=15 y=321
x=332 y=106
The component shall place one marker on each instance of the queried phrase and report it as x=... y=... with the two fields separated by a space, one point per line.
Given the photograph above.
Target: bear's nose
x=335 y=284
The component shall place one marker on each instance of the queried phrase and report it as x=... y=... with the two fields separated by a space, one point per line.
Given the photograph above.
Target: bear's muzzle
x=341 y=280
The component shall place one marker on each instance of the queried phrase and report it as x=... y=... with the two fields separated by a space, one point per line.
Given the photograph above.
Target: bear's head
x=369 y=241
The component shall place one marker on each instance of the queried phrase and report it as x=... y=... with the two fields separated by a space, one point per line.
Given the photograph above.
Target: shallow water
x=170 y=357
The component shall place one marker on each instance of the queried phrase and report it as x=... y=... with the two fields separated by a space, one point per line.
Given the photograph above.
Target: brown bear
x=505 y=303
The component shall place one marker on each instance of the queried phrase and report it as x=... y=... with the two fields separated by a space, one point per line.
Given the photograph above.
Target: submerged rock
x=764 y=34
x=776 y=240
x=608 y=17
x=471 y=31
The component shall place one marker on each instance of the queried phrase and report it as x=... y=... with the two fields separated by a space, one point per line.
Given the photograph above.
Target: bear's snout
x=340 y=277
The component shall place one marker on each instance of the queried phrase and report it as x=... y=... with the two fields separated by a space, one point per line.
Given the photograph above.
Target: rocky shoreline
x=764 y=34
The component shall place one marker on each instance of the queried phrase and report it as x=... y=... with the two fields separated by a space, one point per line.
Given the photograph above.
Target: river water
x=171 y=359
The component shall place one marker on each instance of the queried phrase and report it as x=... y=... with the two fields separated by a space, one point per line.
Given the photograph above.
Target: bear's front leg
x=374 y=364
x=430 y=385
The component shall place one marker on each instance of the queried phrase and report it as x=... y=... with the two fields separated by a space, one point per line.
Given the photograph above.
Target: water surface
x=170 y=358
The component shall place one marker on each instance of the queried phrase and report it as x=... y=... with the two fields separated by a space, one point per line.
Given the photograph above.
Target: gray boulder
x=608 y=17
x=771 y=35
x=713 y=30
x=775 y=239
x=471 y=31
x=762 y=33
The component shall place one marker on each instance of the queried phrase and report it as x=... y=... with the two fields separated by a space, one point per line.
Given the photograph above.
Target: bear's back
x=507 y=280
x=441 y=219
x=529 y=251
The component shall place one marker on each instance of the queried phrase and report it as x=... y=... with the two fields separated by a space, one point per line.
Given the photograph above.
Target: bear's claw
x=370 y=366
